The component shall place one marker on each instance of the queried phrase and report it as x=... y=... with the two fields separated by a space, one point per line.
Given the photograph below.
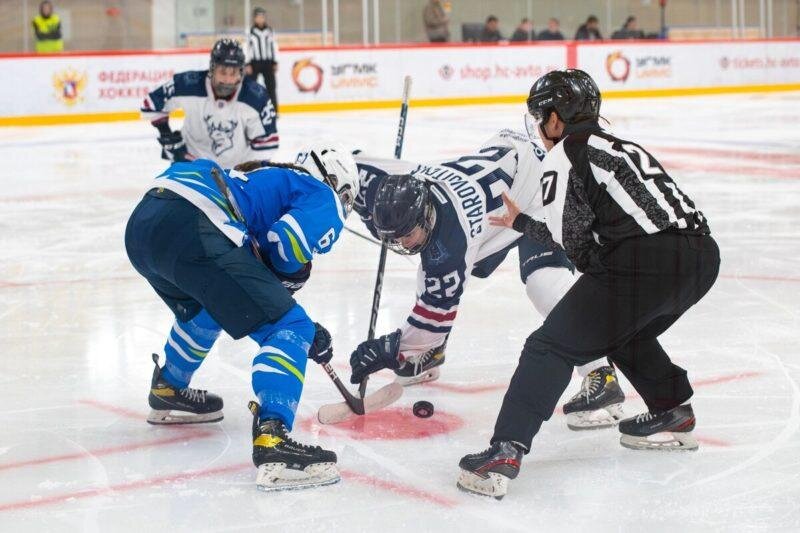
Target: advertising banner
x=113 y=85
x=357 y=75
x=86 y=84
x=619 y=66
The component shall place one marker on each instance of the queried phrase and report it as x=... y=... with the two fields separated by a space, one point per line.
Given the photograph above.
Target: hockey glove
x=173 y=148
x=374 y=355
x=321 y=350
x=294 y=281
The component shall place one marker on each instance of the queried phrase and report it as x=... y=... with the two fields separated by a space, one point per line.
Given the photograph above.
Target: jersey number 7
x=549 y=186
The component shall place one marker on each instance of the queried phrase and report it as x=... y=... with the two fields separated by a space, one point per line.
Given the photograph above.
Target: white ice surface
x=77 y=326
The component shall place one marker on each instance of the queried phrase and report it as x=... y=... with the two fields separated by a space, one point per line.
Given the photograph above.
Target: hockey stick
x=376 y=295
x=388 y=394
x=357 y=405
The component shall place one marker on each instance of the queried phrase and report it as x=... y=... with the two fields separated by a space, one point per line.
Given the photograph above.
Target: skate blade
x=339 y=412
x=173 y=417
x=273 y=477
x=607 y=417
x=666 y=441
x=424 y=377
x=495 y=486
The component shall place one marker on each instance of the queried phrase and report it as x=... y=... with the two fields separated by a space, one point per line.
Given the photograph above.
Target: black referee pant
x=633 y=293
x=266 y=69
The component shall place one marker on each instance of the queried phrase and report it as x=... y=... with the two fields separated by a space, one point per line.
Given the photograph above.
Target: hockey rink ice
x=78 y=325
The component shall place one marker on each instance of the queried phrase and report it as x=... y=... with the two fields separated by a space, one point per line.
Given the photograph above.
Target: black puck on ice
x=423 y=409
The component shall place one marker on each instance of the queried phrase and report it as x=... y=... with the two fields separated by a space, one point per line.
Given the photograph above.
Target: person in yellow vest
x=47 y=26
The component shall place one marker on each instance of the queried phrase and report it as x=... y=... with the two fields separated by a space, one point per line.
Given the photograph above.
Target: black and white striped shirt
x=262 y=45
x=599 y=189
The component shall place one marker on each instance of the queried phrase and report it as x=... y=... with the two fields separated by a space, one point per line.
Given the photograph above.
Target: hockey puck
x=423 y=409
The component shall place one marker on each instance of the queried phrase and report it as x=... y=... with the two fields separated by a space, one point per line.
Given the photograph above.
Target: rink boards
x=106 y=86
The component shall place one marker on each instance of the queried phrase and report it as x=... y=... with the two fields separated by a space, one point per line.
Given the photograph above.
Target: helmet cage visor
x=346 y=195
x=426 y=222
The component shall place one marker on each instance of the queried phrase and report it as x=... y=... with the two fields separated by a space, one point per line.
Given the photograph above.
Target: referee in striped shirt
x=646 y=255
x=263 y=53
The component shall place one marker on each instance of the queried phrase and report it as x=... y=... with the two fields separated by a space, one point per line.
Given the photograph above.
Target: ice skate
x=284 y=464
x=598 y=405
x=421 y=369
x=487 y=473
x=660 y=430
x=170 y=405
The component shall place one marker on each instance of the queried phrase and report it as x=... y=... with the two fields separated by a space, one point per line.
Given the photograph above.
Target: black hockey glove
x=321 y=350
x=294 y=281
x=374 y=355
x=173 y=148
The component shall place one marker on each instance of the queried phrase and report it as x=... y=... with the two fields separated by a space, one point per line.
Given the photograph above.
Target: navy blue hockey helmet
x=402 y=204
x=571 y=93
x=227 y=53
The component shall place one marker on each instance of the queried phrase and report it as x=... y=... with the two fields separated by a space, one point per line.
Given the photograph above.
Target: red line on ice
x=182 y=437
x=712 y=442
x=399 y=488
x=717 y=169
x=123 y=487
x=127 y=413
x=769 y=157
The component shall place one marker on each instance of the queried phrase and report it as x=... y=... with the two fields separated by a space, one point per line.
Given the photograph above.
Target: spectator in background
x=263 y=53
x=553 y=31
x=436 y=22
x=47 y=27
x=524 y=32
x=491 y=31
x=589 y=30
x=629 y=30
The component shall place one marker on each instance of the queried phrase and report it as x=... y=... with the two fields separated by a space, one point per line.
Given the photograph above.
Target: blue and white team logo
x=221 y=133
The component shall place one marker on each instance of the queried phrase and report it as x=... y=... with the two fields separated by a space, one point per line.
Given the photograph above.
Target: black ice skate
x=598 y=404
x=487 y=473
x=422 y=368
x=660 y=430
x=180 y=406
x=284 y=464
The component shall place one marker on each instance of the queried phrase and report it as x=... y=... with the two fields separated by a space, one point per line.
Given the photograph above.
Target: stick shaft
x=376 y=295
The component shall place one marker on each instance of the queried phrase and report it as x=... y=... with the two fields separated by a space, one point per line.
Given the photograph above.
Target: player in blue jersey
x=225 y=250
x=229 y=117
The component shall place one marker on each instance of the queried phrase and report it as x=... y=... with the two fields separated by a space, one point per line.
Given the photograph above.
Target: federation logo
x=307 y=75
x=69 y=85
x=446 y=72
x=618 y=66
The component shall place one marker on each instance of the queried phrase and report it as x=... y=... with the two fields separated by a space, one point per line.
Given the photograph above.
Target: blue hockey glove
x=374 y=355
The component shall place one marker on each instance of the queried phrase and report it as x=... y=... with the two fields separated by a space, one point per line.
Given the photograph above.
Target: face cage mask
x=224 y=90
x=427 y=226
x=347 y=197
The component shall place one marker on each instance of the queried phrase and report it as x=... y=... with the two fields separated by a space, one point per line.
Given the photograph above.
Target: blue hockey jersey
x=289 y=213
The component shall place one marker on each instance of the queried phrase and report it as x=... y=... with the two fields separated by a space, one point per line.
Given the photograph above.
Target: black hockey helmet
x=571 y=93
x=402 y=203
x=227 y=52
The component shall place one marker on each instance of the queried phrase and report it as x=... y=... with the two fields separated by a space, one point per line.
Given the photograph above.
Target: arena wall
x=106 y=86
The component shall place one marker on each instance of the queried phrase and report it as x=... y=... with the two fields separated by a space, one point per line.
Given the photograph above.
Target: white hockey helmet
x=335 y=167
